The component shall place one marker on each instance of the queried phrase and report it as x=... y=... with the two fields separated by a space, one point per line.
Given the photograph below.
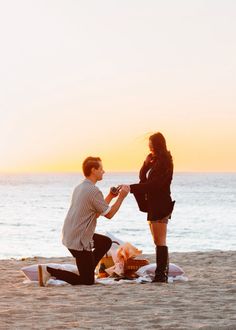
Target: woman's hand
x=149 y=160
x=124 y=190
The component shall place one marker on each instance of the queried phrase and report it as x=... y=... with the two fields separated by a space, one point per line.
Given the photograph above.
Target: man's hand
x=114 y=191
x=123 y=192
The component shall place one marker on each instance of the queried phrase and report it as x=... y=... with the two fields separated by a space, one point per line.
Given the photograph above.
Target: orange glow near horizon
x=194 y=156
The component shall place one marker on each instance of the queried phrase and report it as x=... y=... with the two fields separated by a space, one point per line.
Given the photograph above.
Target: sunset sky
x=81 y=78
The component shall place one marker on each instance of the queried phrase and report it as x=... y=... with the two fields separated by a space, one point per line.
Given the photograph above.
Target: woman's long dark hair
x=160 y=150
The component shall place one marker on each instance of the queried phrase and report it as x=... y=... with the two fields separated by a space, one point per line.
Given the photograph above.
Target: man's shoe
x=43 y=275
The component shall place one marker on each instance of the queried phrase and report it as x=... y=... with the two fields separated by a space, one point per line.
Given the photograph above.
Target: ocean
x=33 y=209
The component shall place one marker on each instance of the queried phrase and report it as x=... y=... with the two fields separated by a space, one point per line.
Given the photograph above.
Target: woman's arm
x=148 y=163
x=159 y=179
x=143 y=173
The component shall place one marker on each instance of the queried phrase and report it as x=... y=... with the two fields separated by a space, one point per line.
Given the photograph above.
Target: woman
x=154 y=197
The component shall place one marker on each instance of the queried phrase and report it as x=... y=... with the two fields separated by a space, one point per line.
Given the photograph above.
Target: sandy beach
x=206 y=301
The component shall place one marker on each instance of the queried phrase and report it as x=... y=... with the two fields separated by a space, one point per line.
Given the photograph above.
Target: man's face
x=99 y=172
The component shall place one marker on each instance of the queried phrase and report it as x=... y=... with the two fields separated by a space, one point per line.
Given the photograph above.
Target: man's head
x=92 y=167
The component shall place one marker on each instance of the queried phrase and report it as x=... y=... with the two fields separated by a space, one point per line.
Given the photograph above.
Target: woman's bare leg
x=159 y=232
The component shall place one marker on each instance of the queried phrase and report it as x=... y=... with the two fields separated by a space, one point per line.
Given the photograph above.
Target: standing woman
x=153 y=196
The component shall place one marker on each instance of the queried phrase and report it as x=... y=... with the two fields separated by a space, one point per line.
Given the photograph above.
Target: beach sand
x=206 y=301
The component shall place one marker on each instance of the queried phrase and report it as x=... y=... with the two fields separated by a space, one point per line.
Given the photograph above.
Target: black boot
x=162 y=260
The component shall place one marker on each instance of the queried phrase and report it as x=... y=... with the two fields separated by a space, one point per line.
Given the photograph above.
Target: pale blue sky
x=82 y=77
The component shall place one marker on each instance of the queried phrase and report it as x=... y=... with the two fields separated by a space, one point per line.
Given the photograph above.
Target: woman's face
x=151 y=147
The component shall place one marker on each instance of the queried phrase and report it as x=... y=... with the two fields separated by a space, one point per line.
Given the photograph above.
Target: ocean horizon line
x=107 y=172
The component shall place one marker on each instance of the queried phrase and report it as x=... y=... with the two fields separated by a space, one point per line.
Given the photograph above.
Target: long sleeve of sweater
x=143 y=173
x=158 y=181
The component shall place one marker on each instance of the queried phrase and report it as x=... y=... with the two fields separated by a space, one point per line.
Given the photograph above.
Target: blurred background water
x=33 y=208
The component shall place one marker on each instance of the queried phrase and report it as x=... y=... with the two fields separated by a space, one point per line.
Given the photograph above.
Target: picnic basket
x=132 y=265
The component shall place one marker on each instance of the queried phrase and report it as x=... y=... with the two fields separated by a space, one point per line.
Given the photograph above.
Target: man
x=79 y=227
